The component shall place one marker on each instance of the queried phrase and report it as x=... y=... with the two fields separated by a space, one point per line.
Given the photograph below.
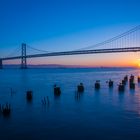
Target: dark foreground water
x=104 y=114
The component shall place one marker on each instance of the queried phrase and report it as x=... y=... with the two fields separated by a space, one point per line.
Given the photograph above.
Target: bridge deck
x=111 y=50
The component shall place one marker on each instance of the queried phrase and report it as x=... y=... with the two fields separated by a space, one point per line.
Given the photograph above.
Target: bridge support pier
x=23 y=57
x=1 y=66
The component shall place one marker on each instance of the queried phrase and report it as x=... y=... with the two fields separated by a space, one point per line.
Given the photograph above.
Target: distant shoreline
x=67 y=66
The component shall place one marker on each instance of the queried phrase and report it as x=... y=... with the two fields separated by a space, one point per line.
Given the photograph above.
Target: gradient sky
x=60 y=25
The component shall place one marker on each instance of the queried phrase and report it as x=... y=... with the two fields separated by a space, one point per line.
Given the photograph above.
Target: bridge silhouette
x=128 y=41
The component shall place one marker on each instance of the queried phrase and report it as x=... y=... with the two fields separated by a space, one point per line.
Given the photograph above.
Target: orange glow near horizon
x=138 y=62
x=92 y=60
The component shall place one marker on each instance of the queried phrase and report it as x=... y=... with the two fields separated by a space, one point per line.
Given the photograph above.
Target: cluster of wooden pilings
x=130 y=81
x=5 y=109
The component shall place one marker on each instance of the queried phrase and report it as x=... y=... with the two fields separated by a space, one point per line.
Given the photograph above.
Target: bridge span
x=130 y=38
x=23 y=57
x=111 y=50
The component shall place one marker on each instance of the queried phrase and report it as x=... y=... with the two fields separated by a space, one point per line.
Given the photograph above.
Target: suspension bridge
x=128 y=41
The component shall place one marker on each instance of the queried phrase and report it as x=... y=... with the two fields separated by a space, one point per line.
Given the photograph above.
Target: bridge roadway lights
x=1 y=64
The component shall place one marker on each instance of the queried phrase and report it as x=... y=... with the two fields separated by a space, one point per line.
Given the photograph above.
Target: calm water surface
x=104 y=114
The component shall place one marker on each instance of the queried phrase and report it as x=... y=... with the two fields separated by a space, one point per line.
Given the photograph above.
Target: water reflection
x=99 y=110
x=29 y=102
x=12 y=92
x=131 y=91
x=110 y=90
x=78 y=95
x=45 y=103
x=121 y=96
x=57 y=97
x=138 y=84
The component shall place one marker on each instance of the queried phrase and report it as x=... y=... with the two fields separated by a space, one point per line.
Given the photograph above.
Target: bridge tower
x=23 y=56
x=1 y=64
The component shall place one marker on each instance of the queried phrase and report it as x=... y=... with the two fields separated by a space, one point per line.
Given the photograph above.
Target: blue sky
x=56 y=25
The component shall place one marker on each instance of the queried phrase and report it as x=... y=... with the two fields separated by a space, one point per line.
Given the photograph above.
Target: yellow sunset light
x=138 y=62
